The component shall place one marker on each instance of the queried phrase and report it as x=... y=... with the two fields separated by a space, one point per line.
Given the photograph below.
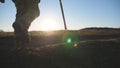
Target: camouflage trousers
x=21 y=26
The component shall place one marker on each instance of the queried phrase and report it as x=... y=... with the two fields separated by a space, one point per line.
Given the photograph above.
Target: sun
x=49 y=24
x=46 y=23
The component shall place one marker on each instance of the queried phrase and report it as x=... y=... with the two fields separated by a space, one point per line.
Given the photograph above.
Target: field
x=85 y=48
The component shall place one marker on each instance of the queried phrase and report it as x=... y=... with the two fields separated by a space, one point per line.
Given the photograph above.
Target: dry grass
x=93 y=49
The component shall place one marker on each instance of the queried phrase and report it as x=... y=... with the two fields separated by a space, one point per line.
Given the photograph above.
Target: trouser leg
x=21 y=35
x=21 y=26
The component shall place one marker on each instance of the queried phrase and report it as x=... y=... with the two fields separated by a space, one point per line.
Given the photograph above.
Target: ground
x=87 y=48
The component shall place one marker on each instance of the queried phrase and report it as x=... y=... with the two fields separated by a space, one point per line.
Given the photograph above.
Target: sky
x=78 y=13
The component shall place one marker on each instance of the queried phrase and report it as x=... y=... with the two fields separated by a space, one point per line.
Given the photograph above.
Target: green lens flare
x=69 y=40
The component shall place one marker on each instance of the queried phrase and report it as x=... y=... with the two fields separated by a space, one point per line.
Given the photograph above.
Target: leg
x=21 y=35
x=26 y=13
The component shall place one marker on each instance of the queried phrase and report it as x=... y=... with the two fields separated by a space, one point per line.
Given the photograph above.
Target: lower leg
x=21 y=36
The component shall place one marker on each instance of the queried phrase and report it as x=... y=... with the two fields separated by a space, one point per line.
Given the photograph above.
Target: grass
x=86 y=50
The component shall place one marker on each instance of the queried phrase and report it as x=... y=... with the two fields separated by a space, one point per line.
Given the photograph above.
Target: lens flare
x=75 y=45
x=69 y=40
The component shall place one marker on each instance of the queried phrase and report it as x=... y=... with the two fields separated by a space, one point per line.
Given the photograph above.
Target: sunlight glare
x=49 y=24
